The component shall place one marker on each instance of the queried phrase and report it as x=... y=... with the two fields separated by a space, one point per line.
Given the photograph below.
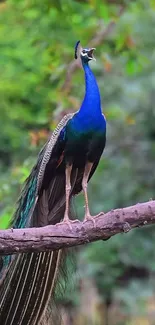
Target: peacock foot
x=68 y=221
x=92 y=218
x=99 y=214
x=88 y=217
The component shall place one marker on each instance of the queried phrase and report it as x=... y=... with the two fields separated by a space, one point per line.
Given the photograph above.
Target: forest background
x=40 y=82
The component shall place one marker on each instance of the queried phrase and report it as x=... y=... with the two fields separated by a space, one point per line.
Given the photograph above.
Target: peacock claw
x=99 y=214
x=69 y=222
x=91 y=218
x=75 y=220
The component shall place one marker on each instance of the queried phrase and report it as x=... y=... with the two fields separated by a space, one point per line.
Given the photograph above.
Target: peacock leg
x=86 y=174
x=68 y=189
x=66 y=218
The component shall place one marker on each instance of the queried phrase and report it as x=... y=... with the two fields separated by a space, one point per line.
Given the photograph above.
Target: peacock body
x=63 y=169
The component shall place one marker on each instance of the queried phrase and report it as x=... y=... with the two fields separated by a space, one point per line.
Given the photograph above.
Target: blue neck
x=92 y=102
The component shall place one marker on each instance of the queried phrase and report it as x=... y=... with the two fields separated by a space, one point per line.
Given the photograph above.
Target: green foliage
x=37 y=44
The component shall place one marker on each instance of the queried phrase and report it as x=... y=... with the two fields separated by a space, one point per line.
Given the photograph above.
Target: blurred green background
x=115 y=280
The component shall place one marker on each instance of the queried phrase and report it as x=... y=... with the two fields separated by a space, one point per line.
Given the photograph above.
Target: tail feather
x=54 y=263
x=29 y=289
x=28 y=279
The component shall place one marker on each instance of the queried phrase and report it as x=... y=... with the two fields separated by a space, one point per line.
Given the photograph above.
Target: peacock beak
x=90 y=54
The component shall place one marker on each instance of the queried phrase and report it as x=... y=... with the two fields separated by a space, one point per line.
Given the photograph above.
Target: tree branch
x=61 y=236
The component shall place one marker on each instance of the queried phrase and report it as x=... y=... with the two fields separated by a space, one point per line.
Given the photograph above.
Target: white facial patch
x=84 y=54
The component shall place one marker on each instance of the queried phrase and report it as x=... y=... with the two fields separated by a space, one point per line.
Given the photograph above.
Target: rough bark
x=62 y=236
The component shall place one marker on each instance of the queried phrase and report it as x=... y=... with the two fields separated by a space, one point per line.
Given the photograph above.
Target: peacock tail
x=27 y=280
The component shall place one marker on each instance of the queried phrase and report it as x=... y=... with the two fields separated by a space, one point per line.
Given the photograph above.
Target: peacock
x=64 y=166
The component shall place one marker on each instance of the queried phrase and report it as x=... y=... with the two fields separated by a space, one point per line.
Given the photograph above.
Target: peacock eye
x=84 y=51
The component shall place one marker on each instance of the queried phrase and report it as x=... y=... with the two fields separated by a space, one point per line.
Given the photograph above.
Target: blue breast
x=82 y=123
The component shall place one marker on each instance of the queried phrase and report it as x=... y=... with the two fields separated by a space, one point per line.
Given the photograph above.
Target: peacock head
x=86 y=54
